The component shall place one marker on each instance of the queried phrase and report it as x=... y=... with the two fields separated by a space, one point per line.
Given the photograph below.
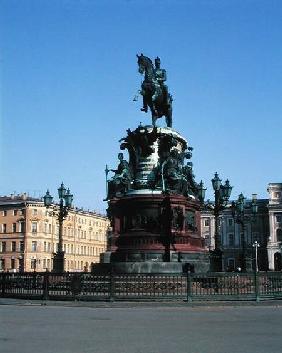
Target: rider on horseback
x=154 y=91
x=160 y=78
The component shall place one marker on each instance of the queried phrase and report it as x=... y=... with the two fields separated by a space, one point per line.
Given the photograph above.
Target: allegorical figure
x=120 y=182
x=154 y=91
x=171 y=172
x=191 y=185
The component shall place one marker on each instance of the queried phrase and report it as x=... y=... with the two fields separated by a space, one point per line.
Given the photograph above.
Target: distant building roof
x=22 y=198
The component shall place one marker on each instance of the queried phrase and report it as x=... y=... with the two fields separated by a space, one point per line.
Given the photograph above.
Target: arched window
x=277 y=261
x=279 y=234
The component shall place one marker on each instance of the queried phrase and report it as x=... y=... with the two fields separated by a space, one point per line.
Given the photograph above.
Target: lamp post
x=239 y=209
x=222 y=194
x=60 y=211
x=256 y=245
x=21 y=263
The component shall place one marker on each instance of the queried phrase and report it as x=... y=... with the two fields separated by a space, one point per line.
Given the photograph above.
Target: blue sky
x=69 y=75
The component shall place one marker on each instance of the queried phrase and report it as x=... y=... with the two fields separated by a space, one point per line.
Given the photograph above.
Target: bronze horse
x=154 y=94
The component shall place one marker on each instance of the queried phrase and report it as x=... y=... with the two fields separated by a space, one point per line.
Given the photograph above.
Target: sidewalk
x=138 y=304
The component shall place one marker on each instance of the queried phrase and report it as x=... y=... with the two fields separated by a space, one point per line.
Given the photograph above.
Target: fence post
x=76 y=285
x=3 y=277
x=112 y=285
x=189 y=287
x=257 y=286
x=46 y=286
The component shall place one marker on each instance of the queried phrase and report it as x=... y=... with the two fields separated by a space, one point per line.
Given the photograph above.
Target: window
x=45 y=227
x=15 y=212
x=34 y=212
x=48 y=263
x=279 y=218
x=50 y=228
x=2 y=264
x=21 y=227
x=33 y=245
x=14 y=227
x=34 y=227
x=207 y=223
x=230 y=222
x=44 y=263
x=242 y=238
x=45 y=246
x=49 y=247
x=3 y=246
x=4 y=228
x=33 y=264
x=14 y=246
x=231 y=264
x=4 y=213
x=279 y=235
x=21 y=246
x=256 y=237
x=277 y=195
x=231 y=239
x=13 y=264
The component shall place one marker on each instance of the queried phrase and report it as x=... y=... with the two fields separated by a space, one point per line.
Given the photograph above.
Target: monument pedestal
x=154 y=232
x=58 y=262
x=154 y=207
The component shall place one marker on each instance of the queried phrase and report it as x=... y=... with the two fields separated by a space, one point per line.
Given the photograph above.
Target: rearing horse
x=154 y=95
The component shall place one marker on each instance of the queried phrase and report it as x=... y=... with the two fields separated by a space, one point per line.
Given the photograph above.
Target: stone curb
x=140 y=304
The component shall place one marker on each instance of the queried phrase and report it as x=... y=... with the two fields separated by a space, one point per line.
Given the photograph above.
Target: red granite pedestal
x=156 y=232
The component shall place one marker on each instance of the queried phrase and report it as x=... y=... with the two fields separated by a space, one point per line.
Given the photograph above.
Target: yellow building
x=29 y=236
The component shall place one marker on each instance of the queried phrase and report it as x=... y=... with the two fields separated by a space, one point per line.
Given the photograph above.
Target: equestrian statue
x=154 y=91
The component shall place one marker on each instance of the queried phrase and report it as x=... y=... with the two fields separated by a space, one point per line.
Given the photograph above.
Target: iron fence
x=190 y=286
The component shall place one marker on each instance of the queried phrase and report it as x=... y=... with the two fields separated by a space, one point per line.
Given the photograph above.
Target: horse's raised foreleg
x=154 y=119
x=168 y=118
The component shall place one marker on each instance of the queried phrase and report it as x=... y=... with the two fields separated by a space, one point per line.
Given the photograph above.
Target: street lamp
x=256 y=246
x=222 y=194
x=239 y=209
x=60 y=211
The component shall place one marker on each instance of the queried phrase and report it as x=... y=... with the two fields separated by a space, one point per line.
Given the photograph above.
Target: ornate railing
x=190 y=286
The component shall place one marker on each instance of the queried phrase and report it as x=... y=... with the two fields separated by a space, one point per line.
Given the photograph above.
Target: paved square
x=132 y=328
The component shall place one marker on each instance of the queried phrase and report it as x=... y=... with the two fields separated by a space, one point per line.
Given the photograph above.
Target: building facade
x=275 y=224
x=29 y=236
x=237 y=239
